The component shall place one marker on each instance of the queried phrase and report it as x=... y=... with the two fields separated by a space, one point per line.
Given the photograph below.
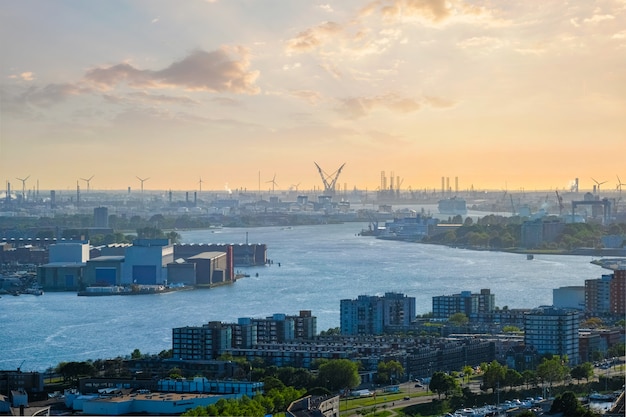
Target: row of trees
x=496 y=376
x=500 y=232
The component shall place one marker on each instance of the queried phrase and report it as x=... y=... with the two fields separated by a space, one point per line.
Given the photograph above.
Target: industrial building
x=146 y=262
x=572 y=296
x=64 y=271
x=172 y=398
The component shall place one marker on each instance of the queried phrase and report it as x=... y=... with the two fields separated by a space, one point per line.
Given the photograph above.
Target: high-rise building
x=597 y=294
x=553 y=331
x=372 y=315
x=101 y=217
x=465 y=302
x=617 y=290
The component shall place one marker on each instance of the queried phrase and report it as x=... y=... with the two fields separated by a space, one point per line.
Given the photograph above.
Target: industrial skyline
x=247 y=95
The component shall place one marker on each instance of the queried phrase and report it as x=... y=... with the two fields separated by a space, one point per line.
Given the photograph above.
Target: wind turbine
x=273 y=181
x=87 y=180
x=142 y=181
x=619 y=185
x=23 y=186
x=598 y=184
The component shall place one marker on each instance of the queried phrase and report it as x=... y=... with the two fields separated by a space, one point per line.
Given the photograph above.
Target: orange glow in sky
x=503 y=95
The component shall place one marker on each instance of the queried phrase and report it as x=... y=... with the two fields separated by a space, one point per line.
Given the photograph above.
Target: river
x=314 y=267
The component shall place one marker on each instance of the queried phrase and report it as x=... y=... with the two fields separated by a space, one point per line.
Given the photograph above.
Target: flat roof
x=107 y=258
x=64 y=265
x=208 y=255
x=154 y=396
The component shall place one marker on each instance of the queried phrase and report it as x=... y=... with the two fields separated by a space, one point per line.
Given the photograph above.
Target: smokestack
x=77 y=194
x=8 y=192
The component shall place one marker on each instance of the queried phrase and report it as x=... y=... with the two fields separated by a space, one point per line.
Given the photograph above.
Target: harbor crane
x=329 y=180
x=560 y=200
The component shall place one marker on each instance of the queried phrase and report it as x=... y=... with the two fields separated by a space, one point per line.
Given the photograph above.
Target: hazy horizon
x=503 y=95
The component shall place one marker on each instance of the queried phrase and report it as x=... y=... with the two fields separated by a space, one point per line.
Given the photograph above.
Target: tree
x=529 y=377
x=493 y=375
x=511 y=329
x=458 y=319
x=136 y=354
x=551 y=370
x=335 y=331
x=389 y=371
x=175 y=373
x=338 y=374
x=582 y=371
x=73 y=370
x=442 y=383
x=568 y=404
x=512 y=378
x=166 y=354
x=468 y=371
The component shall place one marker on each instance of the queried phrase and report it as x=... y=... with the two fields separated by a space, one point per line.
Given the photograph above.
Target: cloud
x=313 y=38
x=309 y=96
x=326 y=8
x=439 y=102
x=481 y=42
x=357 y=107
x=619 y=35
x=24 y=76
x=51 y=94
x=216 y=71
x=160 y=98
x=433 y=11
x=597 y=18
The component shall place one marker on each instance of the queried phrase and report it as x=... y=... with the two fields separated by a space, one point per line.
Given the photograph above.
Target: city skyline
x=228 y=95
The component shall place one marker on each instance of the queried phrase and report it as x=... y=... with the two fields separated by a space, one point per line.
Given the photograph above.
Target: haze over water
x=319 y=266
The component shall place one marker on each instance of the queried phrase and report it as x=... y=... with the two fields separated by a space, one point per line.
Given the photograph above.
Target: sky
x=234 y=94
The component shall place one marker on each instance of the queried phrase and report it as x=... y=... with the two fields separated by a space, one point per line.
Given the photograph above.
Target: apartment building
x=553 y=331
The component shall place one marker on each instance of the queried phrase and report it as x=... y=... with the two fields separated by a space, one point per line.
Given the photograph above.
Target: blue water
x=320 y=265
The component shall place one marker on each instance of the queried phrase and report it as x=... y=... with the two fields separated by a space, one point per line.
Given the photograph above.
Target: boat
x=453 y=206
x=596 y=396
x=530 y=256
x=98 y=291
x=33 y=291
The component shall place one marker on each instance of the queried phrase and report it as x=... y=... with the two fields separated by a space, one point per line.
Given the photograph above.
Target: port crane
x=329 y=180
x=560 y=200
